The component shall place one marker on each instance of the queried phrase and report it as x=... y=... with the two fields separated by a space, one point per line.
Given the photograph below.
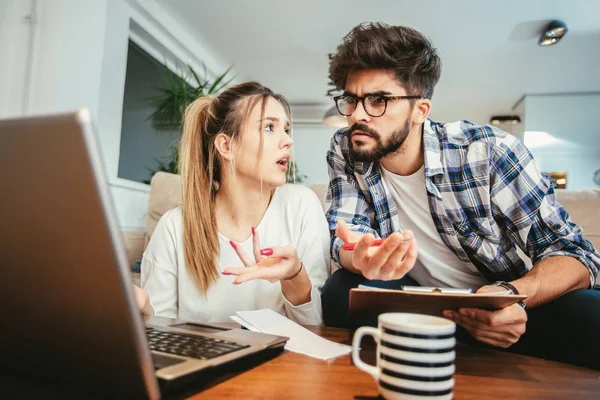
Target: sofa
x=165 y=193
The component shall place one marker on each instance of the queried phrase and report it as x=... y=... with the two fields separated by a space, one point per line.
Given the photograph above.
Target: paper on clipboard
x=369 y=303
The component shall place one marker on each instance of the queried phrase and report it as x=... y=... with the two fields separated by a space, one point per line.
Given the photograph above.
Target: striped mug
x=415 y=356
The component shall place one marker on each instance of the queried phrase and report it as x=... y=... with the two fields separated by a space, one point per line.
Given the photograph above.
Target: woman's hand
x=272 y=264
x=143 y=300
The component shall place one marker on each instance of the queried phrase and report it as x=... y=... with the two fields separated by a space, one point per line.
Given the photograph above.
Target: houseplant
x=178 y=93
x=171 y=102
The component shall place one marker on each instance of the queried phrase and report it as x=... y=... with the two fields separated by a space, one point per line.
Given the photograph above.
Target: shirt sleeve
x=523 y=200
x=159 y=269
x=313 y=249
x=345 y=199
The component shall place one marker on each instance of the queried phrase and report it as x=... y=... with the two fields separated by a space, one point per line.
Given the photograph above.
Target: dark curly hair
x=407 y=52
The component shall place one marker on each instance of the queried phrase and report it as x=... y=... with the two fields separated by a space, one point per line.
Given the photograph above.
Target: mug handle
x=360 y=364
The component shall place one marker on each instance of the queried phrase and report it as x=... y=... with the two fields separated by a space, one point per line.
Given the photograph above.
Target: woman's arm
x=159 y=267
x=143 y=300
x=313 y=251
x=297 y=287
x=302 y=267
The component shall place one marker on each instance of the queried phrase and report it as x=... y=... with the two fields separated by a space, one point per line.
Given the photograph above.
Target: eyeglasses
x=374 y=104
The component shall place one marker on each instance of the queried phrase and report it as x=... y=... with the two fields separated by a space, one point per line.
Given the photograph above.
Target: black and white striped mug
x=415 y=356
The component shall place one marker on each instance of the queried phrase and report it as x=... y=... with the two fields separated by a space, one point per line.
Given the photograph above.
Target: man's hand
x=500 y=328
x=391 y=260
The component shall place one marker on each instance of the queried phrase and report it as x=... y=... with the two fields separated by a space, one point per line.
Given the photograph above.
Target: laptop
x=69 y=315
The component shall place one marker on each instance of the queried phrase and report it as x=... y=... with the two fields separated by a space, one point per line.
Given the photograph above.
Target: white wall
x=74 y=56
x=15 y=45
x=311 y=143
x=571 y=119
x=55 y=62
x=519 y=109
x=579 y=168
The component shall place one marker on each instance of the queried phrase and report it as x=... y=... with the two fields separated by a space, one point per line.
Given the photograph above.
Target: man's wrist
x=346 y=261
x=510 y=287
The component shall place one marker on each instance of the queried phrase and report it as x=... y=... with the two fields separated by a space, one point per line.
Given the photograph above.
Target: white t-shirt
x=436 y=264
x=294 y=217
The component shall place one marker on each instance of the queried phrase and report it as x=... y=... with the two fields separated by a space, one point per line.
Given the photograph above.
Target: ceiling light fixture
x=505 y=119
x=553 y=33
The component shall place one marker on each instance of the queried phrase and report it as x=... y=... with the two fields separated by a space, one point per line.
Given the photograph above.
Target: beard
x=361 y=152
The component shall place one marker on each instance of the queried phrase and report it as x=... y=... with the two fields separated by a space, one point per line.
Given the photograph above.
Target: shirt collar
x=432 y=146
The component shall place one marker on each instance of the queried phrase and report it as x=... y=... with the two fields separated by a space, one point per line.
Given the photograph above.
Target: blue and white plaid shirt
x=486 y=196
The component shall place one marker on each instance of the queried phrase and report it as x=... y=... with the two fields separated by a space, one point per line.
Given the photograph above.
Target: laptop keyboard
x=194 y=346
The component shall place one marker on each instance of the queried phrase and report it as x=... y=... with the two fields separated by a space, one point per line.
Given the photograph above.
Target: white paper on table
x=301 y=339
x=245 y=324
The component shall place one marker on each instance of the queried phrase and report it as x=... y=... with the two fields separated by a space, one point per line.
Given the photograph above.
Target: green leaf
x=218 y=80
x=225 y=84
x=195 y=75
x=171 y=100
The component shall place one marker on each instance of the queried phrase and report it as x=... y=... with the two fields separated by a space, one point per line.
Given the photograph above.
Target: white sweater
x=294 y=217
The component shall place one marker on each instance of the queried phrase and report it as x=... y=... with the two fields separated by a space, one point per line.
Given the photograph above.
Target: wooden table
x=480 y=374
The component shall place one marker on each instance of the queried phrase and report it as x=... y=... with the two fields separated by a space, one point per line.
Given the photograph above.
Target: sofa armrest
x=135 y=244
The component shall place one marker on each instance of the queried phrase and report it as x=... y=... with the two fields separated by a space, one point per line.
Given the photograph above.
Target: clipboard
x=369 y=303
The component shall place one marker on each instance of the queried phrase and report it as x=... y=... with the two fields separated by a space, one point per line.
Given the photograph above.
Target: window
x=142 y=147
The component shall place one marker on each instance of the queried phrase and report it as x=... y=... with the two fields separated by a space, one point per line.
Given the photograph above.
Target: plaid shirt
x=486 y=196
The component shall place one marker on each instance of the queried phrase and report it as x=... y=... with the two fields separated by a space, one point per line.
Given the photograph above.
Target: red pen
x=350 y=246
x=376 y=242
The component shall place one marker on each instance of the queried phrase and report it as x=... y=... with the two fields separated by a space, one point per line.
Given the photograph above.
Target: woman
x=205 y=260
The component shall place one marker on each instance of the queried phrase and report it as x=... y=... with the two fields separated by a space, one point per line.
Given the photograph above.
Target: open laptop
x=68 y=311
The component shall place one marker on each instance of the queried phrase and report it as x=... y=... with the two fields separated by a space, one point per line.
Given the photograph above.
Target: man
x=453 y=201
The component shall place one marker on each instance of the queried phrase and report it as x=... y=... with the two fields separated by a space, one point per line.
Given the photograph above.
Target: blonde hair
x=200 y=168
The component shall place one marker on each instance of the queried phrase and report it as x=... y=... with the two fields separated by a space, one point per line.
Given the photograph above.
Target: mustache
x=366 y=129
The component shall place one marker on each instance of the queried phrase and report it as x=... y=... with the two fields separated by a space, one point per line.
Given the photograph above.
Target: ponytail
x=196 y=164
